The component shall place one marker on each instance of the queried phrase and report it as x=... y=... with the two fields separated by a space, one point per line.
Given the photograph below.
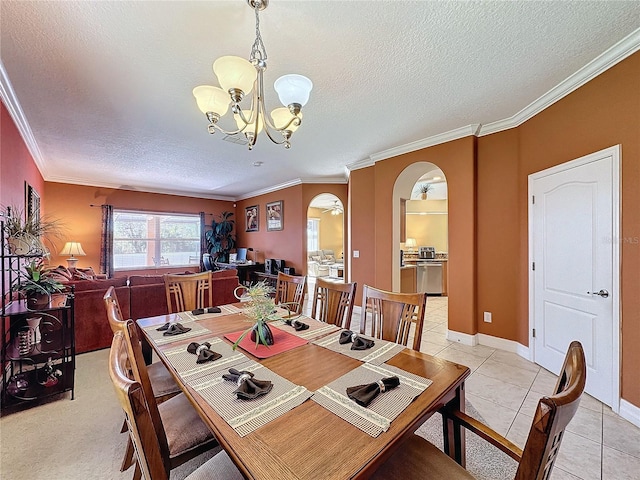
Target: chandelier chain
x=258 y=50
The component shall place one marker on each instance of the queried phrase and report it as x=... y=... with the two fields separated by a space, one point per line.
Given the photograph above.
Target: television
x=241 y=255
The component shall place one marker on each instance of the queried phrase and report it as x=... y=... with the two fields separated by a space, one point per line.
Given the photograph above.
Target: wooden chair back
x=135 y=404
x=189 y=291
x=114 y=313
x=290 y=290
x=392 y=315
x=552 y=417
x=333 y=302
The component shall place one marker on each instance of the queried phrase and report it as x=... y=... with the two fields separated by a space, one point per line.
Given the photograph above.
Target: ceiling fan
x=335 y=209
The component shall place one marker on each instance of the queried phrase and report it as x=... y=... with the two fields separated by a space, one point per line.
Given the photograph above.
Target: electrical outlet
x=487 y=317
x=356 y=254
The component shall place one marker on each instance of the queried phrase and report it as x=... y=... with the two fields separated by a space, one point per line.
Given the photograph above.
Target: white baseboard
x=503 y=344
x=630 y=412
x=463 y=338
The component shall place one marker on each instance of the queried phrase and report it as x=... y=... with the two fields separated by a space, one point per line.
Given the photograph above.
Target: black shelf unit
x=37 y=347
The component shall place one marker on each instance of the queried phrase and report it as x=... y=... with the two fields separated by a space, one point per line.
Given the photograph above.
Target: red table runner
x=282 y=342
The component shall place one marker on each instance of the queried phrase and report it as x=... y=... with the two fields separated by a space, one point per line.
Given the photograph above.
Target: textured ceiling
x=106 y=86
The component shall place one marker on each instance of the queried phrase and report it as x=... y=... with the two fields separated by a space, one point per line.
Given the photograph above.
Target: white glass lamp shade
x=252 y=126
x=293 y=89
x=281 y=116
x=72 y=249
x=411 y=242
x=235 y=72
x=212 y=99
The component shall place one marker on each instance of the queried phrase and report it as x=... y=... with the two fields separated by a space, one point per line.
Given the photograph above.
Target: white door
x=574 y=229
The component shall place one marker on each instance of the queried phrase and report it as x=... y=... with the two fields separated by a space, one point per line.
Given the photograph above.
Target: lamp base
x=72 y=262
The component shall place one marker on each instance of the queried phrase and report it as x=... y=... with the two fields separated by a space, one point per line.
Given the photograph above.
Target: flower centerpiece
x=261 y=309
x=37 y=284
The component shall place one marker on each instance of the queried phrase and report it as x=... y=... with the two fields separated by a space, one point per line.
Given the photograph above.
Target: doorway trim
x=615 y=153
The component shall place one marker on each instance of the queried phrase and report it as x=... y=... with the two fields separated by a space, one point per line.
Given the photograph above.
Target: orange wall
x=83 y=223
x=457 y=161
x=16 y=165
x=362 y=211
x=290 y=243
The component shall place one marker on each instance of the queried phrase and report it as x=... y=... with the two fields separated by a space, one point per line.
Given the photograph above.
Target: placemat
x=245 y=416
x=224 y=310
x=282 y=342
x=376 y=355
x=377 y=417
x=185 y=362
x=316 y=329
x=159 y=339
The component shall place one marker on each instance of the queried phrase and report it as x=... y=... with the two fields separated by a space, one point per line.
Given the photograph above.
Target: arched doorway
x=423 y=221
x=325 y=237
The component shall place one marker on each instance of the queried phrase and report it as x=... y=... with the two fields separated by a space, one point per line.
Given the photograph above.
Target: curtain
x=106 y=249
x=203 y=241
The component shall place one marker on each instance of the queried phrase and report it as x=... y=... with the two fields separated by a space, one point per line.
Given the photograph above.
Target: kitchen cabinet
x=408 y=279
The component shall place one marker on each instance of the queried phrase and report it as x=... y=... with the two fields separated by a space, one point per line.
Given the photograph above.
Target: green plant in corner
x=261 y=309
x=36 y=283
x=27 y=237
x=220 y=240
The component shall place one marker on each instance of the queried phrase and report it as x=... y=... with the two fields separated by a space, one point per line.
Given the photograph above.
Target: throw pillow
x=315 y=258
x=329 y=258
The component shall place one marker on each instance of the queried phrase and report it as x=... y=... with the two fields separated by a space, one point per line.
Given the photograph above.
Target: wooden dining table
x=309 y=441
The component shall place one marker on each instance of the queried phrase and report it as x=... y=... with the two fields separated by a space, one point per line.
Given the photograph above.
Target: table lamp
x=72 y=248
x=410 y=244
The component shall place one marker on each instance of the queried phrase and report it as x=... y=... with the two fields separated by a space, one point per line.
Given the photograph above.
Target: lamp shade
x=212 y=99
x=293 y=89
x=281 y=116
x=235 y=72
x=252 y=126
x=411 y=242
x=72 y=249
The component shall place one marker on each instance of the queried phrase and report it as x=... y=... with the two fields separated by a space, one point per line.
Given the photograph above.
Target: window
x=313 y=234
x=142 y=239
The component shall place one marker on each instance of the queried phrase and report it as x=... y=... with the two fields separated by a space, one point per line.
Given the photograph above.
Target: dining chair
x=333 y=302
x=417 y=458
x=162 y=383
x=392 y=314
x=188 y=291
x=290 y=291
x=180 y=431
x=151 y=463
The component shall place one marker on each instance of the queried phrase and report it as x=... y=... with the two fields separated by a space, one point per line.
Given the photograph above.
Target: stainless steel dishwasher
x=430 y=277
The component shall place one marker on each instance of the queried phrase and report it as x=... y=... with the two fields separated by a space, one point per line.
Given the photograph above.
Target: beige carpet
x=72 y=439
x=80 y=439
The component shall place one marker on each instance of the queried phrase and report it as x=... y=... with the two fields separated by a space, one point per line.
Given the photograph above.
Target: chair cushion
x=417 y=458
x=183 y=426
x=220 y=466
x=161 y=380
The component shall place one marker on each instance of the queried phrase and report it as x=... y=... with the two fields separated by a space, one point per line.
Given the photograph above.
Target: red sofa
x=139 y=296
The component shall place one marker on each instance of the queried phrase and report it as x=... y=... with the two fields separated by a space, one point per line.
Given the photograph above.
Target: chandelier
x=239 y=78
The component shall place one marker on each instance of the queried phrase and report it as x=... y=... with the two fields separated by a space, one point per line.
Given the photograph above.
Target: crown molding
x=339 y=180
x=618 y=52
x=275 y=188
x=364 y=163
x=164 y=191
x=10 y=100
x=426 y=142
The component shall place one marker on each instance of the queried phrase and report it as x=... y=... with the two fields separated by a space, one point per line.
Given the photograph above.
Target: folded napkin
x=358 y=343
x=297 y=325
x=171 y=329
x=248 y=387
x=204 y=352
x=364 y=394
x=200 y=311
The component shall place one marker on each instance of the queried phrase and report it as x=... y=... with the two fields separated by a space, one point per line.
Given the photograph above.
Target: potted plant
x=220 y=241
x=261 y=309
x=37 y=285
x=424 y=189
x=26 y=237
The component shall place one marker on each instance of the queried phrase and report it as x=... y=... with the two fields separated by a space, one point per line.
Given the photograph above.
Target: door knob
x=602 y=293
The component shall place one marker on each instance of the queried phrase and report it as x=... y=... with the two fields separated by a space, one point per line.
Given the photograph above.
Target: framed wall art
x=251 y=218
x=32 y=203
x=275 y=216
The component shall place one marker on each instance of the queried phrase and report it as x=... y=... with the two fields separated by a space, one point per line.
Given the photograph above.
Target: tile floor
x=505 y=389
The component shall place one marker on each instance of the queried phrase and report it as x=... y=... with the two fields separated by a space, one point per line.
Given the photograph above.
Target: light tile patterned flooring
x=505 y=389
